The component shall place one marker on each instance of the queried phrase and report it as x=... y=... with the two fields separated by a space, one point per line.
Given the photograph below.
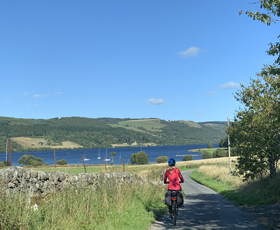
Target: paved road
x=206 y=209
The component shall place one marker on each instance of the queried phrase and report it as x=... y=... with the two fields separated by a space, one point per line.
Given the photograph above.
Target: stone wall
x=40 y=184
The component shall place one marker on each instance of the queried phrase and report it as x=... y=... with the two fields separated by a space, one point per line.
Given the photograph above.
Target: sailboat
x=99 y=155
x=85 y=158
x=107 y=159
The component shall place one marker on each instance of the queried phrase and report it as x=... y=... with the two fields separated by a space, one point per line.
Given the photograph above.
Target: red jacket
x=173 y=178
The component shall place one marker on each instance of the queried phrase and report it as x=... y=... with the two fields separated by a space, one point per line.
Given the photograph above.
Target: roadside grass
x=210 y=150
x=251 y=193
x=111 y=206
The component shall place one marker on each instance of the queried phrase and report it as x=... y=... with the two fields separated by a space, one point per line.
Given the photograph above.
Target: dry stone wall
x=40 y=184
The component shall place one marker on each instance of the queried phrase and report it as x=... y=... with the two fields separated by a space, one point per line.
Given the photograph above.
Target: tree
x=209 y=146
x=142 y=158
x=30 y=160
x=256 y=127
x=139 y=158
x=61 y=162
x=188 y=158
x=161 y=159
x=112 y=154
x=133 y=158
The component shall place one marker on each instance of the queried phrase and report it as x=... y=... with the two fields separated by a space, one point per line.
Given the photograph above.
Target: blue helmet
x=171 y=161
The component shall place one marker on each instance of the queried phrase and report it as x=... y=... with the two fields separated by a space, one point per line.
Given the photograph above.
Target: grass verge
x=260 y=192
x=111 y=206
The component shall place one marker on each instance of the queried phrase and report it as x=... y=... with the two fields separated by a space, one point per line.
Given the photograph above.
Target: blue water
x=75 y=156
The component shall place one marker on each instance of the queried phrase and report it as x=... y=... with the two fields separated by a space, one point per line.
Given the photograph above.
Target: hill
x=81 y=132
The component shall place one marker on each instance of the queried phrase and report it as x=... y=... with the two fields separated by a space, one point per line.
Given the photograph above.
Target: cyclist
x=173 y=174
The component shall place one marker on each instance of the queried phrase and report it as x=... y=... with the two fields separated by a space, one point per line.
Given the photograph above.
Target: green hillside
x=103 y=132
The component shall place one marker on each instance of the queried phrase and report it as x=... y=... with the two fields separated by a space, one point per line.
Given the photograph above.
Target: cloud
x=38 y=95
x=25 y=94
x=57 y=93
x=230 y=85
x=155 y=101
x=199 y=112
x=190 y=52
x=211 y=93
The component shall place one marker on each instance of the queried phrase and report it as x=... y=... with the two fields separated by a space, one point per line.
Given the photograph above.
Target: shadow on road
x=209 y=211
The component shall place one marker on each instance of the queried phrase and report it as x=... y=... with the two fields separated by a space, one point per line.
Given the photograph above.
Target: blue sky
x=173 y=60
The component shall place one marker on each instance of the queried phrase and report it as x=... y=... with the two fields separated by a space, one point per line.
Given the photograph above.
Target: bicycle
x=174 y=206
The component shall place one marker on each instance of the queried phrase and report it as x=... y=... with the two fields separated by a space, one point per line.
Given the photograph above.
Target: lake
x=75 y=156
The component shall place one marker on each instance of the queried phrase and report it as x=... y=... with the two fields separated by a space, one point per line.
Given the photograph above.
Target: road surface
x=206 y=209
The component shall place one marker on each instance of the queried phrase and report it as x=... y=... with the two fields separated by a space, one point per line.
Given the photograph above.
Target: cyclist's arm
x=165 y=178
x=181 y=177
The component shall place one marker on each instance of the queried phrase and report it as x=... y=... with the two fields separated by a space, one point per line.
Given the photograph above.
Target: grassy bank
x=232 y=187
x=112 y=206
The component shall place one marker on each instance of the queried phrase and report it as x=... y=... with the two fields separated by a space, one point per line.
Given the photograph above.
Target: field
x=28 y=142
x=151 y=125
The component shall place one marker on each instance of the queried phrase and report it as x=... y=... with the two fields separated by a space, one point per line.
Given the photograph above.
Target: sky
x=173 y=60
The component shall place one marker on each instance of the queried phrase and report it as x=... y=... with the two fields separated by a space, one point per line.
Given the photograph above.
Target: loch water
x=122 y=154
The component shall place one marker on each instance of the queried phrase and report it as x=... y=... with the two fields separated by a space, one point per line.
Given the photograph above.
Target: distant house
x=134 y=143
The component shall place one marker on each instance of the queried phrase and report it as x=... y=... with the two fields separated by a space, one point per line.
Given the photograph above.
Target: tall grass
x=257 y=192
x=111 y=206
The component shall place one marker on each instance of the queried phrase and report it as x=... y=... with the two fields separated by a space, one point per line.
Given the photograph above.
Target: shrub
x=206 y=155
x=209 y=146
x=61 y=162
x=4 y=163
x=30 y=160
x=162 y=159
x=188 y=158
x=139 y=158
x=133 y=158
x=220 y=153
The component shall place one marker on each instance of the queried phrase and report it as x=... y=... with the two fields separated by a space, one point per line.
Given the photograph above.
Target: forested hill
x=103 y=132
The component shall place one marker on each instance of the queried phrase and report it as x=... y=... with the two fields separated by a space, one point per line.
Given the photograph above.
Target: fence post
x=84 y=164
x=123 y=165
x=105 y=163
x=10 y=151
x=54 y=158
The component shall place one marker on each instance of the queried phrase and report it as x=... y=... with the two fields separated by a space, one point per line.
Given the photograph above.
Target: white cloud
x=25 y=94
x=230 y=85
x=211 y=93
x=155 y=101
x=56 y=93
x=38 y=95
x=190 y=52
x=199 y=112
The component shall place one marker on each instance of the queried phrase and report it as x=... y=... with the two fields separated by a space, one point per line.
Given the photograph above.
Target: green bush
x=133 y=158
x=206 y=155
x=4 y=163
x=220 y=153
x=161 y=159
x=209 y=146
x=139 y=158
x=61 y=162
x=188 y=158
x=30 y=160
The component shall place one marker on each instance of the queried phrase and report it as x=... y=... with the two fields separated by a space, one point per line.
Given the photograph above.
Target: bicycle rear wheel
x=174 y=210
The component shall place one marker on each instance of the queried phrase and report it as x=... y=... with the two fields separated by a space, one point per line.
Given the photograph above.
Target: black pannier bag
x=180 y=199
x=168 y=198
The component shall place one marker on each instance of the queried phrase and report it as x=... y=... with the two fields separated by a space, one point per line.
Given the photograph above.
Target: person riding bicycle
x=173 y=174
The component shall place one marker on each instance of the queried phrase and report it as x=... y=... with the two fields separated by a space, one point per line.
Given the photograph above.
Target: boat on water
x=99 y=155
x=85 y=158
x=107 y=159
